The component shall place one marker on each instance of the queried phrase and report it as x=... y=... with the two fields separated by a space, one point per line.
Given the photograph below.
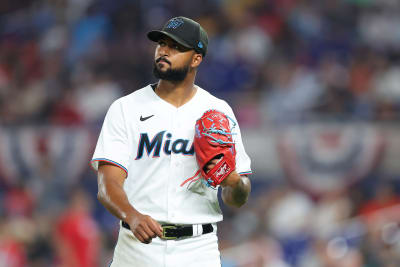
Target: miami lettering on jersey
x=154 y=146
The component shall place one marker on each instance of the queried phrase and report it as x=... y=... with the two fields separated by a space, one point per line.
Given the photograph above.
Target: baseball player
x=145 y=152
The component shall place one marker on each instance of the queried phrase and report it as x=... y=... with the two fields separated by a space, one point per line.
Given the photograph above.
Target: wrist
x=132 y=217
x=231 y=180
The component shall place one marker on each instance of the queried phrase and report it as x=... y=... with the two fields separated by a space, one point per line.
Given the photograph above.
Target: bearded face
x=169 y=74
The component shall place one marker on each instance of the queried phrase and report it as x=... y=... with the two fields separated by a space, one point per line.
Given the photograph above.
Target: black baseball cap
x=184 y=31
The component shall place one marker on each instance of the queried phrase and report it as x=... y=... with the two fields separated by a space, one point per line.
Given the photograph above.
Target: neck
x=177 y=94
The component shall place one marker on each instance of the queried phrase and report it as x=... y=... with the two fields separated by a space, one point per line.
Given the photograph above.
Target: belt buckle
x=164 y=231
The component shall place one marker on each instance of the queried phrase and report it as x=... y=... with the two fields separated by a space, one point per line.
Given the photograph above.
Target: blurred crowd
x=63 y=62
x=286 y=227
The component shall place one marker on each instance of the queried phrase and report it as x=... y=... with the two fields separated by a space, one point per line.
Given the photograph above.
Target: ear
x=196 y=60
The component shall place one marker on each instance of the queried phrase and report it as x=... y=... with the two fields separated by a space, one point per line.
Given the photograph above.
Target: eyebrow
x=168 y=39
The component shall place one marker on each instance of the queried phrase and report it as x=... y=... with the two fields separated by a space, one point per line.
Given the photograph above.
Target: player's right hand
x=145 y=228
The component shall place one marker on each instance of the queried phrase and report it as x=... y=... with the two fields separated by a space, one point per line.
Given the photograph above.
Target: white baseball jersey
x=152 y=141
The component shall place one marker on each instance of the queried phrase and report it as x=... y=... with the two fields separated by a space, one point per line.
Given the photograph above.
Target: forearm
x=236 y=190
x=113 y=197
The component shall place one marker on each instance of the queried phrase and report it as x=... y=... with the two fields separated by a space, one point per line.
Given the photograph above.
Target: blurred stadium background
x=316 y=89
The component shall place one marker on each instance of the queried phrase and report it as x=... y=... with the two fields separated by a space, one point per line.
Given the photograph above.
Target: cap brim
x=155 y=36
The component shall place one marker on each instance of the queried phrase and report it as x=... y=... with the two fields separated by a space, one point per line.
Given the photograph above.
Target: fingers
x=214 y=161
x=156 y=228
x=146 y=229
x=142 y=236
x=211 y=164
x=209 y=167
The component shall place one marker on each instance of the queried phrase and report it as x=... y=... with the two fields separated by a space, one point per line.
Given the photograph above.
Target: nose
x=163 y=51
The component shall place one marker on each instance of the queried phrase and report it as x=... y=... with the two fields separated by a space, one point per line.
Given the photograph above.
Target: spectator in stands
x=77 y=234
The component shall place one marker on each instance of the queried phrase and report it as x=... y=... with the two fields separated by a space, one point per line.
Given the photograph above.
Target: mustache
x=163 y=59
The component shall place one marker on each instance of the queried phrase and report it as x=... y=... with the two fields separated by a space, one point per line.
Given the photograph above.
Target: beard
x=172 y=75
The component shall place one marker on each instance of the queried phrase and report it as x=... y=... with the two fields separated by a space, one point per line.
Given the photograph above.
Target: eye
x=161 y=43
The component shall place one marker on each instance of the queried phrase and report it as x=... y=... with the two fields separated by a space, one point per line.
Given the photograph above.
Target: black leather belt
x=173 y=231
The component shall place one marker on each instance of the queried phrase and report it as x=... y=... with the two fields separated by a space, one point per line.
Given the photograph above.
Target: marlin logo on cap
x=200 y=44
x=174 y=23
